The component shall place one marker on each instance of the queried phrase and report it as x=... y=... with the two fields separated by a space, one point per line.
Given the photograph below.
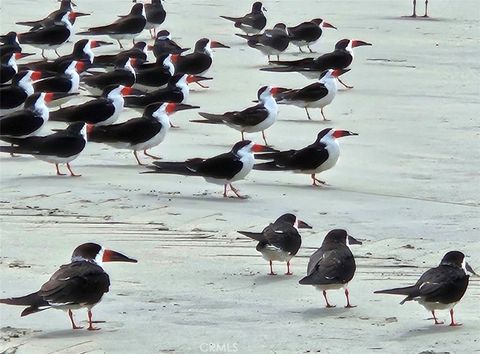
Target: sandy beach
x=407 y=186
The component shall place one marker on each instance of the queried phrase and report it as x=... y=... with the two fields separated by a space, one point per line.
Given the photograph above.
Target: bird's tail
x=244 y=36
x=34 y=302
x=209 y=118
x=173 y=168
x=308 y=280
x=19 y=149
x=258 y=236
x=60 y=116
x=100 y=134
x=408 y=291
x=134 y=101
x=29 y=23
x=233 y=19
x=267 y=166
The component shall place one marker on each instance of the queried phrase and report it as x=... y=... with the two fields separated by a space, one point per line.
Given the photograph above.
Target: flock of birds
x=160 y=88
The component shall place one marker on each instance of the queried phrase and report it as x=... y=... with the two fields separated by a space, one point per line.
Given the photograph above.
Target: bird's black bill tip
x=470 y=269
x=303 y=225
x=353 y=241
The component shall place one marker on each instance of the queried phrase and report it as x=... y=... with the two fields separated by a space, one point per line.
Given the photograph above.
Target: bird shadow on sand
x=267 y=279
x=66 y=333
x=436 y=330
x=120 y=166
x=418 y=18
x=306 y=121
x=318 y=312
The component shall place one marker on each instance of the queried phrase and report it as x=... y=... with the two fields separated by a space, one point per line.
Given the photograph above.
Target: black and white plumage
x=53 y=36
x=222 y=169
x=10 y=44
x=320 y=156
x=198 y=62
x=103 y=110
x=253 y=22
x=316 y=95
x=164 y=45
x=61 y=147
x=154 y=75
x=250 y=120
x=340 y=58
x=66 y=80
x=155 y=15
x=138 y=134
x=332 y=266
x=279 y=241
x=137 y=52
x=439 y=288
x=13 y=96
x=79 y=284
x=307 y=33
x=271 y=42
x=9 y=65
x=65 y=6
x=126 y=27
x=123 y=74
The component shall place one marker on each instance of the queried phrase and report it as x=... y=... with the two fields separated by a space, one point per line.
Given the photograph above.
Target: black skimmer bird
x=9 y=65
x=222 y=169
x=52 y=36
x=332 y=266
x=253 y=22
x=340 y=58
x=198 y=62
x=155 y=14
x=271 y=42
x=65 y=6
x=251 y=120
x=126 y=27
x=307 y=33
x=66 y=80
x=82 y=51
x=165 y=45
x=13 y=96
x=79 y=284
x=414 y=14
x=104 y=110
x=63 y=146
x=176 y=91
x=124 y=74
x=138 y=134
x=316 y=95
x=137 y=52
x=279 y=241
x=320 y=156
x=10 y=44
x=155 y=75
x=28 y=121
x=439 y=288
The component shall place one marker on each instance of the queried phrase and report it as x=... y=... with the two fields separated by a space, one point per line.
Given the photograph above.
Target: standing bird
x=332 y=266
x=124 y=74
x=9 y=65
x=271 y=42
x=10 y=44
x=65 y=5
x=66 y=80
x=198 y=62
x=439 y=288
x=138 y=134
x=63 y=146
x=222 y=169
x=54 y=35
x=126 y=27
x=165 y=45
x=279 y=241
x=320 y=156
x=155 y=75
x=414 y=14
x=79 y=284
x=103 y=110
x=253 y=22
x=13 y=96
x=307 y=33
x=316 y=95
x=340 y=58
x=28 y=121
x=251 y=120
x=137 y=52
x=155 y=14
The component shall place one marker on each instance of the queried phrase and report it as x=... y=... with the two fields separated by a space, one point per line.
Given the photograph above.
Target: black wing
x=283 y=236
x=57 y=144
x=305 y=159
x=338 y=59
x=11 y=97
x=53 y=84
x=115 y=77
x=310 y=93
x=91 y=112
x=331 y=266
x=248 y=117
x=133 y=131
x=224 y=166
x=20 y=123
x=55 y=35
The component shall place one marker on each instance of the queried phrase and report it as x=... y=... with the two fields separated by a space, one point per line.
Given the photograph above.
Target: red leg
x=136 y=157
x=315 y=180
x=90 y=323
x=349 y=306
x=452 y=322
x=326 y=300
x=288 y=269
x=74 y=326
x=271 y=269
x=58 y=171
x=72 y=174
x=152 y=156
x=437 y=322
